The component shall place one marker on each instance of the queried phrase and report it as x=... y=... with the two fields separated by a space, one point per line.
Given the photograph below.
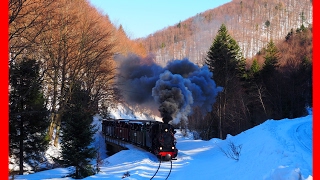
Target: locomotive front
x=163 y=141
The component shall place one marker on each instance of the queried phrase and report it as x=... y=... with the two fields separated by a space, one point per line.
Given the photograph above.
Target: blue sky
x=139 y=18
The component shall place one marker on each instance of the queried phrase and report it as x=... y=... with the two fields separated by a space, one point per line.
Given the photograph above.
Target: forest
x=252 y=23
x=63 y=70
x=58 y=50
x=279 y=88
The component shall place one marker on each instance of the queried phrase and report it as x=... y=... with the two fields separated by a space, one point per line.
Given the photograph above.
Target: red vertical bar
x=315 y=86
x=4 y=78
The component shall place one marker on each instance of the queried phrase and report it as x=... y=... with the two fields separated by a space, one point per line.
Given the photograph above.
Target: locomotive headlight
x=172 y=147
x=160 y=148
x=166 y=130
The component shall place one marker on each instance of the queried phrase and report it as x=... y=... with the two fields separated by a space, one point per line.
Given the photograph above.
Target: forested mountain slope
x=252 y=23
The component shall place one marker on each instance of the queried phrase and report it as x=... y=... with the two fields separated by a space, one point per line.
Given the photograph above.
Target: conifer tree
x=269 y=73
x=28 y=116
x=262 y=89
x=305 y=71
x=254 y=67
x=77 y=133
x=227 y=63
x=271 y=59
x=255 y=92
x=224 y=57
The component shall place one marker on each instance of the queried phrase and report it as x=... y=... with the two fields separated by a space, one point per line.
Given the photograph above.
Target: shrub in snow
x=127 y=174
x=233 y=151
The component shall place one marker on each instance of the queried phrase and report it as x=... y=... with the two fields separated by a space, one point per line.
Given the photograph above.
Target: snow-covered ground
x=274 y=150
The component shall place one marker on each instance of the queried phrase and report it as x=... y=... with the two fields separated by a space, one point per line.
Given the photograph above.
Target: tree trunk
x=220 y=119
x=260 y=98
x=52 y=125
x=77 y=172
x=21 y=148
x=58 y=124
x=54 y=100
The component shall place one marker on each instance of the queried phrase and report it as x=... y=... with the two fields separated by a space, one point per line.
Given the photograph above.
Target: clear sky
x=139 y=18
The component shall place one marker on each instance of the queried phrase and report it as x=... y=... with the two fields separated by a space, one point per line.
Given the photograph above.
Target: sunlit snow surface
x=274 y=150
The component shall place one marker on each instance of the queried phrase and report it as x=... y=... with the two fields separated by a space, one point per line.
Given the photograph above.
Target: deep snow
x=273 y=150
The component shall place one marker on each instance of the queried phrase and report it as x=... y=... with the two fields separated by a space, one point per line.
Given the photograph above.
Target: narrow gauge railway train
x=154 y=136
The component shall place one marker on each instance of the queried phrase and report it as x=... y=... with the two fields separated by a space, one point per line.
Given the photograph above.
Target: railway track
x=159 y=168
x=303 y=135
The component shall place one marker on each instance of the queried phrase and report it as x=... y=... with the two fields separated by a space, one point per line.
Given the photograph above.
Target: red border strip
x=315 y=86
x=4 y=78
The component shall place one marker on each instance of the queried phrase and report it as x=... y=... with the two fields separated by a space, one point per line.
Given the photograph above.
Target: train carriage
x=136 y=133
x=154 y=136
x=122 y=130
x=108 y=127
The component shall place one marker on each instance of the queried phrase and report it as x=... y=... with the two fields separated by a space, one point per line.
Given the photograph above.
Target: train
x=153 y=136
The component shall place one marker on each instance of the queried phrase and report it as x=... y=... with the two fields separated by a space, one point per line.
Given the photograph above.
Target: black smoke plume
x=174 y=89
x=172 y=95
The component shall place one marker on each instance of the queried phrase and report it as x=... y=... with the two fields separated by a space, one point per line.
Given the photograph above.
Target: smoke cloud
x=171 y=93
x=174 y=90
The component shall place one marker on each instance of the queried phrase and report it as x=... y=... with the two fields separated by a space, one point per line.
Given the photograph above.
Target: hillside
x=251 y=23
x=296 y=46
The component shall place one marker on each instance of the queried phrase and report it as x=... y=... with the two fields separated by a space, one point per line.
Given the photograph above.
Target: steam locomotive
x=154 y=136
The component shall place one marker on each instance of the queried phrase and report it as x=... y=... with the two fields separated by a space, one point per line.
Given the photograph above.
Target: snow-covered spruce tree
x=28 y=116
x=77 y=133
x=227 y=63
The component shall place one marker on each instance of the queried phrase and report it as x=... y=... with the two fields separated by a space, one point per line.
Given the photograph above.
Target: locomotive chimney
x=166 y=119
